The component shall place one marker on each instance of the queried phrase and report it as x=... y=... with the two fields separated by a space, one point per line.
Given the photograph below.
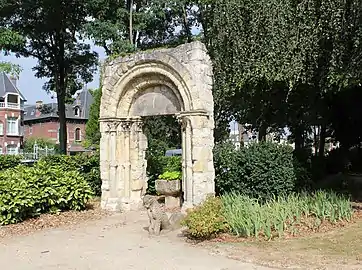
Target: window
x=30 y=130
x=77 y=135
x=12 y=149
x=1 y=150
x=1 y=128
x=12 y=126
x=76 y=111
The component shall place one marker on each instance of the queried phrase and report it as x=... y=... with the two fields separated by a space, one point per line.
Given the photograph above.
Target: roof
x=84 y=100
x=7 y=86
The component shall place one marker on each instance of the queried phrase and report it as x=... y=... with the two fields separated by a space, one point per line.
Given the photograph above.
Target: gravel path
x=117 y=242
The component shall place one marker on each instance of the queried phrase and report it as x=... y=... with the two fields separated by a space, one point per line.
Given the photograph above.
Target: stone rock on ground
x=116 y=242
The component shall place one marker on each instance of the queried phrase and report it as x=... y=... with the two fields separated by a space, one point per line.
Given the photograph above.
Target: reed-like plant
x=248 y=217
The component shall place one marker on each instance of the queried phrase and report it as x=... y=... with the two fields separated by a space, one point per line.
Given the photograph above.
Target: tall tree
x=51 y=29
x=275 y=60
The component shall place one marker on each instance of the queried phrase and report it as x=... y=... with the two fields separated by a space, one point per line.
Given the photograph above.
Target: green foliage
x=172 y=164
x=260 y=170
x=41 y=142
x=8 y=39
x=207 y=220
x=158 y=163
x=123 y=27
x=248 y=217
x=170 y=176
x=163 y=128
x=276 y=61
x=92 y=132
x=27 y=192
x=55 y=42
x=87 y=166
x=9 y=161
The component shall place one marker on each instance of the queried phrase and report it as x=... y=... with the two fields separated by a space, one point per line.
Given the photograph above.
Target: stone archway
x=167 y=81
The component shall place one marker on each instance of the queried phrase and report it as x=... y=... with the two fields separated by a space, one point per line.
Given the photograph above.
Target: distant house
x=42 y=121
x=11 y=120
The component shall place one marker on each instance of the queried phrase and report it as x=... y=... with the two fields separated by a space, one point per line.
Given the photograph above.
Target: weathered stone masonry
x=167 y=81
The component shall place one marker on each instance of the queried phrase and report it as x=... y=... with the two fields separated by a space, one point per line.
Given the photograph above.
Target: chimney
x=38 y=104
x=13 y=79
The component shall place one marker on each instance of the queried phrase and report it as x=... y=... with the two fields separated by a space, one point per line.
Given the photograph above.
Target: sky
x=31 y=87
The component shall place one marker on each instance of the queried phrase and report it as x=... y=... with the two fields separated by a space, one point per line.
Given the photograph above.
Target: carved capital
x=112 y=126
x=126 y=126
x=138 y=126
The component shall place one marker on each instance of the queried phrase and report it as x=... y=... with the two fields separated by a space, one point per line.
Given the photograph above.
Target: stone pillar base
x=121 y=205
x=186 y=206
x=111 y=204
x=172 y=202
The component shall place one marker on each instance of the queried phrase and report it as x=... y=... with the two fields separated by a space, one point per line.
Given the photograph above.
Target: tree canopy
x=51 y=30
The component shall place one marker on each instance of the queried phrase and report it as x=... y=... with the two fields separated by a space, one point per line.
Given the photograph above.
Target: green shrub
x=27 y=192
x=169 y=176
x=9 y=161
x=249 y=217
x=87 y=166
x=260 y=170
x=206 y=221
x=158 y=163
x=172 y=164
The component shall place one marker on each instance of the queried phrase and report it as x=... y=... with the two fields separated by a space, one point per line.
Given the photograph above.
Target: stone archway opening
x=163 y=82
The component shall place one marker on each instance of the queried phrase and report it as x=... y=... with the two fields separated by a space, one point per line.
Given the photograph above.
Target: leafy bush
x=249 y=217
x=260 y=170
x=9 y=161
x=172 y=164
x=87 y=166
x=30 y=191
x=206 y=220
x=169 y=176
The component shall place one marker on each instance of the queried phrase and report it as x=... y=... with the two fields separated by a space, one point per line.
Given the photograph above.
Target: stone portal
x=166 y=81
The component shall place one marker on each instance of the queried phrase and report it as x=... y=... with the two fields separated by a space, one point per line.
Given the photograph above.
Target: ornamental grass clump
x=248 y=217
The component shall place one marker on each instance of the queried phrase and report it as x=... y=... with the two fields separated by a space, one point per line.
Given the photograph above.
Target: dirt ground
x=94 y=239
x=111 y=242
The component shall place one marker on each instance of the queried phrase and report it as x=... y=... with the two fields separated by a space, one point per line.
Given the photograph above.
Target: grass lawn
x=340 y=248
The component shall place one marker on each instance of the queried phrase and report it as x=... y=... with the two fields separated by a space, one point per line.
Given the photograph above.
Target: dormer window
x=77 y=111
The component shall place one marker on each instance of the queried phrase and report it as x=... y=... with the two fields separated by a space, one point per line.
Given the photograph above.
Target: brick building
x=42 y=121
x=11 y=112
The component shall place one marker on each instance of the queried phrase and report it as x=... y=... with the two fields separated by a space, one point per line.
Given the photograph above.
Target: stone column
x=109 y=164
x=202 y=157
x=187 y=174
x=138 y=162
x=125 y=152
x=198 y=167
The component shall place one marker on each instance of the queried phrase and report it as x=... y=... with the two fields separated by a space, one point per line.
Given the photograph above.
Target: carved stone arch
x=169 y=71
x=174 y=81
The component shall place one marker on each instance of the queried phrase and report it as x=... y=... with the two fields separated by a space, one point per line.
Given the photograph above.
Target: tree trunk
x=262 y=133
x=299 y=139
x=61 y=94
x=186 y=24
x=322 y=140
x=131 y=22
x=62 y=123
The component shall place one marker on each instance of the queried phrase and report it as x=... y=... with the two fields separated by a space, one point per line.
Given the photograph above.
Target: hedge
x=260 y=170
